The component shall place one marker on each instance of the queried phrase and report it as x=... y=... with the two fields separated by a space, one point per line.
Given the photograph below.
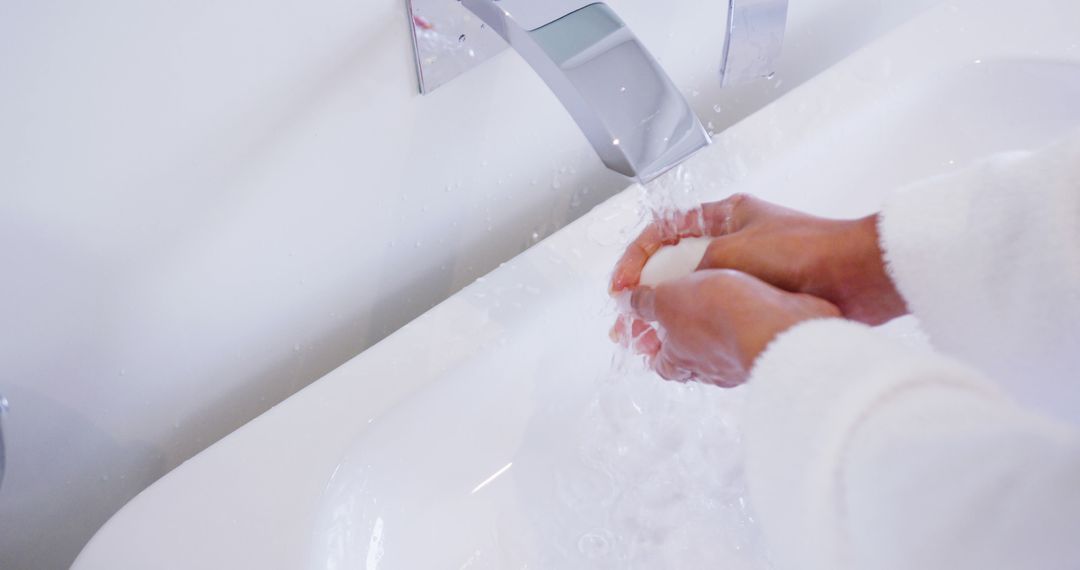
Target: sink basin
x=464 y=439
x=466 y=465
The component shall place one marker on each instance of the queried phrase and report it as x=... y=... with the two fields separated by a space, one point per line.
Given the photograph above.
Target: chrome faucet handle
x=754 y=39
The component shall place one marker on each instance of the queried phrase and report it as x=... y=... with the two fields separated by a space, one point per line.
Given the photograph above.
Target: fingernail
x=617 y=283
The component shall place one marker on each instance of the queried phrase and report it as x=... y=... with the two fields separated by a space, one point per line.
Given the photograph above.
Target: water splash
x=672 y=202
x=651 y=478
x=651 y=473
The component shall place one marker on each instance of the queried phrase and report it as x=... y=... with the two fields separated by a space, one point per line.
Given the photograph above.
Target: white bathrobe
x=863 y=452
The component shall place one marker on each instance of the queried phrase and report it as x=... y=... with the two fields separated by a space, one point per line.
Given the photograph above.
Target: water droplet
x=717 y=108
x=461 y=39
x=472 y=53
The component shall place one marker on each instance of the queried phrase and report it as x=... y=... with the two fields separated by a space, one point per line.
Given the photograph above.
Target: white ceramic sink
x=442 y=446
x=204 y=210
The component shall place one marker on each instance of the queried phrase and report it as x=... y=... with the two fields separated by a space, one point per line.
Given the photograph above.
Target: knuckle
x=740 y=201
x=738 y=198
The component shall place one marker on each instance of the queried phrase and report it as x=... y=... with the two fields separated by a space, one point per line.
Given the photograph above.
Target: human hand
x=712 y=324
x=837 y=260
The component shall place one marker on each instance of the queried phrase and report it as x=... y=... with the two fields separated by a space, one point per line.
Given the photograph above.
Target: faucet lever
x=755 y=36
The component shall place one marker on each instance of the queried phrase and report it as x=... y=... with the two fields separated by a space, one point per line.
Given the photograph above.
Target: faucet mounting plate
x=448 y=40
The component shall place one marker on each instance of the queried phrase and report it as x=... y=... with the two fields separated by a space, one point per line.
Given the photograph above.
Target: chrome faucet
x=628 y=108
x=626 y=105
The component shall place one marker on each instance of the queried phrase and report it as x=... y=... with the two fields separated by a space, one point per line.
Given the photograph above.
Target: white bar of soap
x=674 y=261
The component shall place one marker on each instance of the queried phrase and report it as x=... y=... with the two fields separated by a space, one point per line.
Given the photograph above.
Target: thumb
x=643 y=302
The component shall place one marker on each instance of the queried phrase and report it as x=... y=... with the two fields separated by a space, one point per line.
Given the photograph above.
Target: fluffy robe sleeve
x=866 y=453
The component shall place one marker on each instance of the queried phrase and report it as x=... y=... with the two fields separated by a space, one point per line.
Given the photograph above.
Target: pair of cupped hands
x=767 y=268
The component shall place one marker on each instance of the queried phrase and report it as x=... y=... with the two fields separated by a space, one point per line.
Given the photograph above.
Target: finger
x=627 y=327
x=676 y=225
x=725 y=380
x=628 y=268
x=641 y=337
x=643 y=303
x=648 y=342
x=729 y=215
x=617 y=333
x=665 y=230
x=668 y=370
x=730 y=381
x=713 y=219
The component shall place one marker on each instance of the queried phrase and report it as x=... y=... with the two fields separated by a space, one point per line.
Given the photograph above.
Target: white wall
x=206 y=205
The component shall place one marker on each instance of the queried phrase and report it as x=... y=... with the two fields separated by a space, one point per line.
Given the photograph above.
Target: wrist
x=859 y=282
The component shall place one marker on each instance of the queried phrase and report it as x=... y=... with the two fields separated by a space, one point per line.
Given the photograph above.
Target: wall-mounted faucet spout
x=626 y=105
x=624 y=102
